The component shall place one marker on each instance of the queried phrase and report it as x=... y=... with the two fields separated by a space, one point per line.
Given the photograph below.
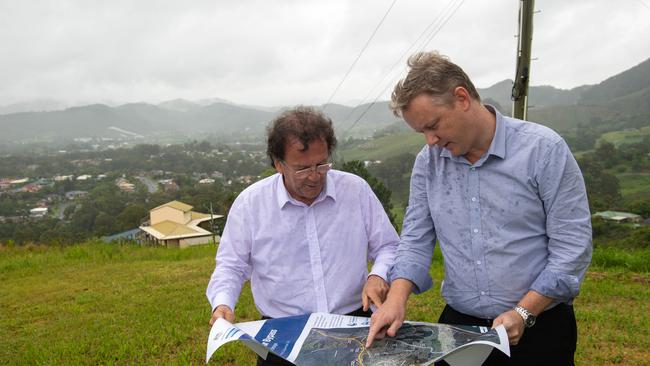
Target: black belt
x=488 y=322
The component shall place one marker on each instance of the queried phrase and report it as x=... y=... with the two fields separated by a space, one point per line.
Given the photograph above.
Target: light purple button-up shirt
x=302 y=259
x=516 y=220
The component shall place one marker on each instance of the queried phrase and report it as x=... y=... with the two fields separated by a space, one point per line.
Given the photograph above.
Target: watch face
x=529 y=318
x=530 y=321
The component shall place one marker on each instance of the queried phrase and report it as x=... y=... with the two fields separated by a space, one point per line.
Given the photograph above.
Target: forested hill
x=623 y=99
x=630 y=82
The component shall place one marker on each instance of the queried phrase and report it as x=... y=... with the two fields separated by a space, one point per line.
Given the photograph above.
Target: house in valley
x=175 y=224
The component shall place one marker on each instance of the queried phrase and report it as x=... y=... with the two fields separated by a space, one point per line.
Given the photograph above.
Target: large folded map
x=320 y=339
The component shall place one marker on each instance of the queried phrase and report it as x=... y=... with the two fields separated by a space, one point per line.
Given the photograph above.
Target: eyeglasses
x=304 y=173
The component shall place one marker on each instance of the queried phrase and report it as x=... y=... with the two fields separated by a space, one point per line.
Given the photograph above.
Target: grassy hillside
x=566 y=118
x=628 y=136
x=385 y=147
x=561 y=118
x=121 y=304
x=106 y=304
x=634 y=186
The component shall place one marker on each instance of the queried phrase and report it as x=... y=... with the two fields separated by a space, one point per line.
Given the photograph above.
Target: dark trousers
x=273 y=360
x=551 y=341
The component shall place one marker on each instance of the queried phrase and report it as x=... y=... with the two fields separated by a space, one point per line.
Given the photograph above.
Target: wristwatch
x=529 y=318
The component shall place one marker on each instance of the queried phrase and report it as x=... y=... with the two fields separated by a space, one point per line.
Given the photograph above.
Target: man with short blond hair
x=506 y=200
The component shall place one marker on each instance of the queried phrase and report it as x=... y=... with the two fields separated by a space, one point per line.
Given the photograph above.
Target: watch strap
x=529 y=318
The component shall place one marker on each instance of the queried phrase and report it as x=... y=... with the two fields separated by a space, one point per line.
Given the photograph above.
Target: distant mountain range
x=626 y=95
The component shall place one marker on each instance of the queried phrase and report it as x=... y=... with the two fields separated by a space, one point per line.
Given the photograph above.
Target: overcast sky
x=297 y=52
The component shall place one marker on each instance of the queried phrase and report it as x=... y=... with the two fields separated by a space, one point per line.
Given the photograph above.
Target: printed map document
x=327 y=339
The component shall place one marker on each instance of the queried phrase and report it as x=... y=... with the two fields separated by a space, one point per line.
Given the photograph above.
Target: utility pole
x=520 y=88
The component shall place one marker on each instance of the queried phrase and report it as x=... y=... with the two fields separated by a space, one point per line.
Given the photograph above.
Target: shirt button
x=478 y=262
x=473 y=199
x=476 y=230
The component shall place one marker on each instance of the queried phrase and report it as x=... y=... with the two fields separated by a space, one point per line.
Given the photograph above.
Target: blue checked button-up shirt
x=516 y=220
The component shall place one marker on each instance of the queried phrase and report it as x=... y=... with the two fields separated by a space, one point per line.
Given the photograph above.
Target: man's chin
x=312 y=192
x=453 y=149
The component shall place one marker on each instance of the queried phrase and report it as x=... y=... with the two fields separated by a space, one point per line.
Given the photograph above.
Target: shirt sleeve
x=417 y=240
x=233 y=259
x=568 y=225
x=382 y=237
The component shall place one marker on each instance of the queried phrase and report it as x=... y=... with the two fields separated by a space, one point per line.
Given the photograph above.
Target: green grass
x=108 y=304
x=386 y=146
x=631 y=136
x=398 y=211
x=98 y=303
x=632 y=260
x=634 y=186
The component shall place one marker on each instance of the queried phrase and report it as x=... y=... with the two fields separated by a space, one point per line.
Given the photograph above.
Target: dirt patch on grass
x=597 y=275
x=644 y=280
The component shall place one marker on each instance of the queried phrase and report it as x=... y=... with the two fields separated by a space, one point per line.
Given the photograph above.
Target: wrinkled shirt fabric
x=516 y=220
x=303 y=258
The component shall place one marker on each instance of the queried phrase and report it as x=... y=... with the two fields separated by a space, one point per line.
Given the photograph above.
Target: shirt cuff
x=381 y=270
x=559 y=286
x=223 y=299
x=414 y=273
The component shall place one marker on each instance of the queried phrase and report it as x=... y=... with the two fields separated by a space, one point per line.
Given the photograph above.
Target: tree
x=84 y=217
x=607 y=154
x=69 y=210
x=602 y=187
x=131 y=217
x=382 y=193
x=24 y=234
x=395 y=172
x=640 y=207
x=583 y=138
x=104 y=224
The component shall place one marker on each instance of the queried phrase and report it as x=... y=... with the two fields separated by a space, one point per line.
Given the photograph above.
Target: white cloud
x=294 y=52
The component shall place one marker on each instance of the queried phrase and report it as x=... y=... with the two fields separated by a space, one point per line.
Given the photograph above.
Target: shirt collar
x=284 y=197
x=498 y=145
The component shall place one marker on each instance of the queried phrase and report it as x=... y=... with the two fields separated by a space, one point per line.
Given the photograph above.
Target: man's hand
x=514 y=324
x=374 y=291
x=389 y=317
x=222 y=311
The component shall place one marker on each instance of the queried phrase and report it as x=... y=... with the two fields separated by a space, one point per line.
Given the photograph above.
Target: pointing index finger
x=374 y=332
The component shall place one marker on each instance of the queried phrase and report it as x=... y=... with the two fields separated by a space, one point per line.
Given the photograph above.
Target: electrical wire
x=400 y=59
x=644 y=4
x=360 y=54
x=433 y=34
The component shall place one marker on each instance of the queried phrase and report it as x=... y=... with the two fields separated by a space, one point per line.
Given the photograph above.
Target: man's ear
x=278 y=166
x=462 y=97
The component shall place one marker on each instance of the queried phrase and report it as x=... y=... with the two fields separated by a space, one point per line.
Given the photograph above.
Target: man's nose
x=431 y=138
x=313 y=174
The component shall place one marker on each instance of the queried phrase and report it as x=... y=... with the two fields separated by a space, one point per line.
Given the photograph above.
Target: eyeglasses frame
x=304 y=173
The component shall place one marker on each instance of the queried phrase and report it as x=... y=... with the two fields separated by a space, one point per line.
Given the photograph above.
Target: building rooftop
x=616 y=214
x=175 y=204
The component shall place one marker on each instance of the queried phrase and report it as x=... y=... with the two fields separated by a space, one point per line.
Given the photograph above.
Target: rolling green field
x=386 y=146
x=100 y=303
x=634 y=186
x=630 y=136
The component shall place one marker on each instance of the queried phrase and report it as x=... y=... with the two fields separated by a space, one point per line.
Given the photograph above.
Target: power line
x=360 y=53
x=444 y=22
x=644 y=4
x=399 y=60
